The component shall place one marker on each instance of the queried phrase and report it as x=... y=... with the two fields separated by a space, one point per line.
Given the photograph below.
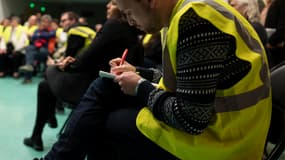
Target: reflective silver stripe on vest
x=89 y=36
x=244 y=100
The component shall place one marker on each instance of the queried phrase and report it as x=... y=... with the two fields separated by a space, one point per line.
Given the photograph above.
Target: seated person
x=79 y=36
x=214 y=92
x=38 y=49
x=69 y=79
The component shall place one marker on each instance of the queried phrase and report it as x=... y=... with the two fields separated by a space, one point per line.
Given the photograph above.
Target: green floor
x=17 y=115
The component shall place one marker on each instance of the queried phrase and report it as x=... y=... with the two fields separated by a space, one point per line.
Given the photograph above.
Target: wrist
x=138 y=84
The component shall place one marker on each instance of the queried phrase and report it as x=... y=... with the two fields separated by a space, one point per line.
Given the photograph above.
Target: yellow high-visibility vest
x=239 y=128
x=31 y=30
x=85 y=32
x=146 y=38
x=19 y=30
x=1 y=30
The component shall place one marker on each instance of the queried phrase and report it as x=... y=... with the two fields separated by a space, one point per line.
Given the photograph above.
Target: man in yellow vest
x=79 y=36
x=215 y=90
x=31 y=25
x=213 y=101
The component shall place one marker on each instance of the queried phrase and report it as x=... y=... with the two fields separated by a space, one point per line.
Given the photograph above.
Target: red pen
x=124 y=56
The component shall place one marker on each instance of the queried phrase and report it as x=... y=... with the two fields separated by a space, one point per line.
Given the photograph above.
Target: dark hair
x=71 y=15
x=55 y=20
x=18 y=19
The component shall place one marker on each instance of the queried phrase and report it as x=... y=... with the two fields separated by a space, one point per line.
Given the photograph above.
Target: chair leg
x=64 y=125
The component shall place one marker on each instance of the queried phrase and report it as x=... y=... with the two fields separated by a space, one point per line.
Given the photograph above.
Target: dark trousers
x=4 y=63
x=46 y=102
x=58 y=85
x=103 y=126
x=10 y=62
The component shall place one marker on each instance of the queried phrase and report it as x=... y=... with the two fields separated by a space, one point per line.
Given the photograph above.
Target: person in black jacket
x=70 y=80
x=275 y=20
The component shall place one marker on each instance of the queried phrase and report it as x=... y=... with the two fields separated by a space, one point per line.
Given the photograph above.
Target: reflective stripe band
x=83 y=31
x=241 y=101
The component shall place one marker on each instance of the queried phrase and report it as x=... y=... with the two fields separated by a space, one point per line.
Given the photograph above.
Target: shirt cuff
x=143 y=90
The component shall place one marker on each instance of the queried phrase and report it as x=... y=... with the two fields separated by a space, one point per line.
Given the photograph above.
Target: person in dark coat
x=69 y=82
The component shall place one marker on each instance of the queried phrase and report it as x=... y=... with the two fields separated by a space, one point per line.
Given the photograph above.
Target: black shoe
x=52 y=122
x=38 y=159
x=27 y=81
x=37 y=145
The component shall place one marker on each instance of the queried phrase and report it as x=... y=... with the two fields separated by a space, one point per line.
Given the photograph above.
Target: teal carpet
x=17 y=116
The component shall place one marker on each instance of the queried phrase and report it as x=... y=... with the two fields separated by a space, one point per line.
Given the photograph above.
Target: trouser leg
x=30 y=55
x=3 y=62
x=130 y=142
x=86 y=128
x=45 y=108
x=17 y=61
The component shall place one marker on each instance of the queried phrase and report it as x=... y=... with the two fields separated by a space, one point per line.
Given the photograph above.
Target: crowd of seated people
x=13 y=43
x=72 y=55
x=24 y=46
x=68 y=79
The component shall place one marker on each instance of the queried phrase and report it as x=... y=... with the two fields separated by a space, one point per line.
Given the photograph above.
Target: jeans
x=103 y=126
x=33 y=53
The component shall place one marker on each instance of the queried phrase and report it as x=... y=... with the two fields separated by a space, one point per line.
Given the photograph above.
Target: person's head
x=68 y=19
x=32 y=20
x=54 y=23
x=248 y=8
x=147 y=15
x=83 y=20
x=45 y=21
x=113 y=11
x=15 y=21
x=6 y=22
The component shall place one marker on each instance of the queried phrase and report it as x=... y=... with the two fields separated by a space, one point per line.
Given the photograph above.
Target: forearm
x=47 y=34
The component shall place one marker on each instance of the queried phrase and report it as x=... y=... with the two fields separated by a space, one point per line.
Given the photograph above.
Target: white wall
x=8 y=7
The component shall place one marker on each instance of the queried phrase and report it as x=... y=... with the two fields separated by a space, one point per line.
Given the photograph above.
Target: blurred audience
x=250 y=10
x=39 y=48
x=14 y=42
x=69 y=79
x=275 y=26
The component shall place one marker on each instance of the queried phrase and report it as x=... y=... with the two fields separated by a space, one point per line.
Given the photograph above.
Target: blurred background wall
x=93 y=10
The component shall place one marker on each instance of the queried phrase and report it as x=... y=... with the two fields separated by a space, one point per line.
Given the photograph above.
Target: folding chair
x=276 y=133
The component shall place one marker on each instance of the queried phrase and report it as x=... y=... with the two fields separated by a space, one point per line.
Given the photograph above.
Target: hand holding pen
x=126 y=75
x=120 y=65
